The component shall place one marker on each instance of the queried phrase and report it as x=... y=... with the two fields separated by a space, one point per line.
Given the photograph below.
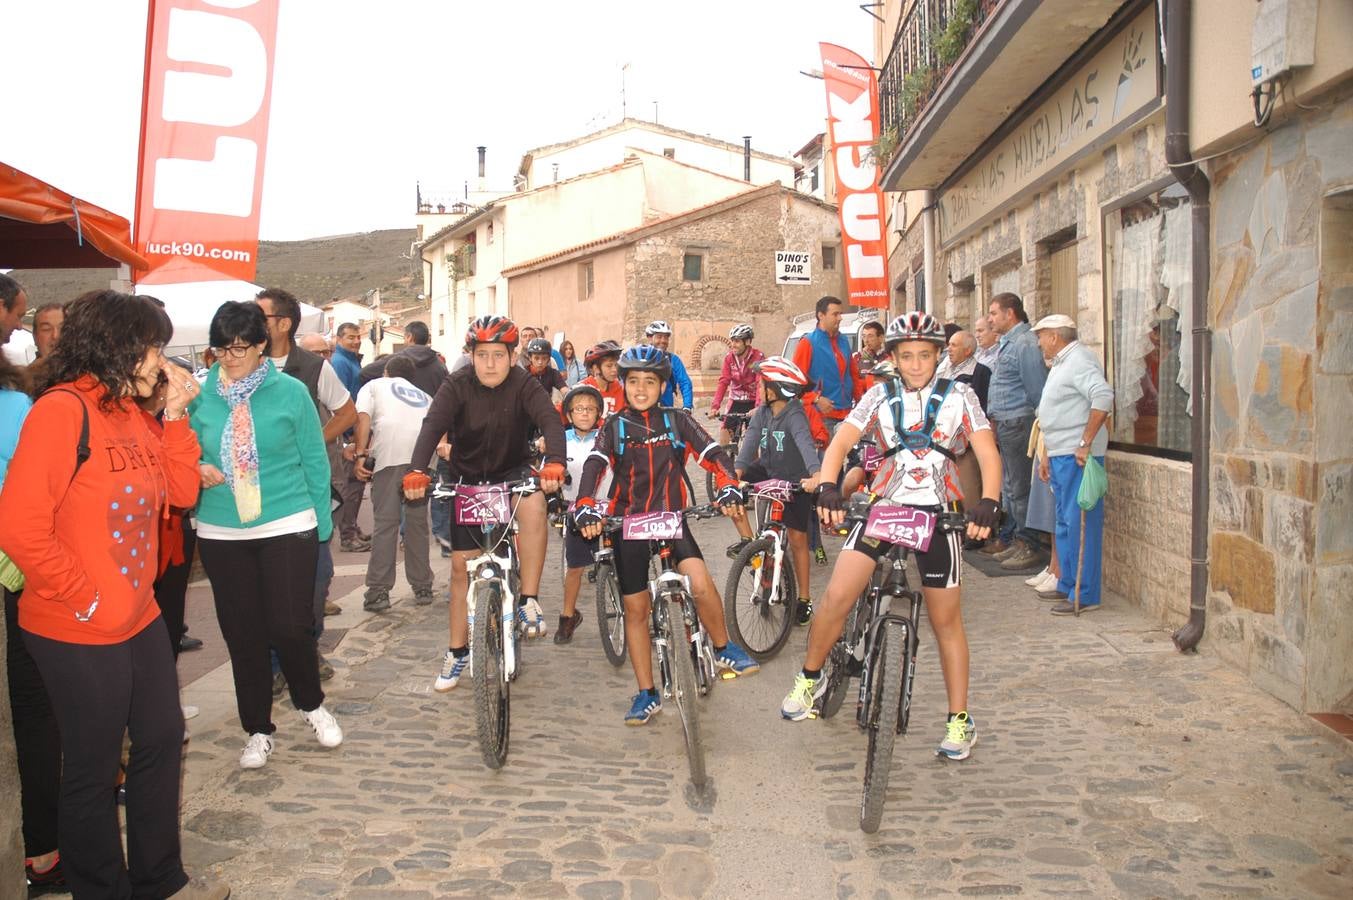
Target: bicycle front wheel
x=491 y=702
x=611 y=615
x=759 y=612
x=887 y=664
x=685 y=691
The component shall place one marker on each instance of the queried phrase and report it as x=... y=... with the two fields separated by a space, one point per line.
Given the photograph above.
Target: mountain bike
x=761 y=594
x=680 y=643
x=495 y=578
x=739 y=425
x=880 y=645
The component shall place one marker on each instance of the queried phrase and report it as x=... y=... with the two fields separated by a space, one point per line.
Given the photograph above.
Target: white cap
x=1056 y=320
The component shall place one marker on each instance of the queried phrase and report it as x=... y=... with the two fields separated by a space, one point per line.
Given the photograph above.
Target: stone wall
x=739 y=247
x=1146 y=533
x=11 y=835
x=1281 y=605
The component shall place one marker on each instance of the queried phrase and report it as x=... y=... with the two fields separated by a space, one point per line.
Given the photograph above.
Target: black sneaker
x=567 y=625
x=805 y=611
x=736 y=547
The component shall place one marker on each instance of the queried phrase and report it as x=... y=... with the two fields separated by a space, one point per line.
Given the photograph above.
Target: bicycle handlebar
x=707 y=511
x=525 y=487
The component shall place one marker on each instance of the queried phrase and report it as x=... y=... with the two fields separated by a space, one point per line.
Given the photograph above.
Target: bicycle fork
x=494 y=570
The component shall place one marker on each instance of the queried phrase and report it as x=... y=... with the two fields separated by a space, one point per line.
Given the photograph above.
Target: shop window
x=1150 y=320
x=587 y=284
x=828 y=258
x=693 y=267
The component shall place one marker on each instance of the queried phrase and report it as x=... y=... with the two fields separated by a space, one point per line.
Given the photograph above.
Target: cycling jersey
x=648 y=475
x=489 y=427
x=613 y=397
x=739 y=378
x=923 y=477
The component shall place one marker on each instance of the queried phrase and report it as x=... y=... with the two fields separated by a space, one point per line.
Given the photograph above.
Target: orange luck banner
x=204 y=133
x=853 y=121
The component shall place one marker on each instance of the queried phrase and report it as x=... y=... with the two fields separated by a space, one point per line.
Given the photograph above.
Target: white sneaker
x=451 y=671
x=256 y=751
x=1049 y=583
x=535 y=620
x=1034 y=581
x=325 y=726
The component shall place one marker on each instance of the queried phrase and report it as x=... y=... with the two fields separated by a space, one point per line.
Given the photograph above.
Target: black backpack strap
x=81 y=448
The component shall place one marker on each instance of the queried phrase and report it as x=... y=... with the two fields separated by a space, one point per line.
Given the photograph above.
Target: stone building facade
x=641 y=275
x=1102 y=233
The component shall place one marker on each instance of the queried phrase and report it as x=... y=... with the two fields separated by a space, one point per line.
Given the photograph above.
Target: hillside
x=316 y=270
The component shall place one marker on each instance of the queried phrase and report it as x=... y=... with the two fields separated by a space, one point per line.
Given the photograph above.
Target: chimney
x=481 y=161
x=746 y=157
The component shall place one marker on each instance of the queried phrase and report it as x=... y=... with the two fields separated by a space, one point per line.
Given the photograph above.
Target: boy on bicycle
x=921 y=436
x=646 y=447
x=602 y=361
x=779 y=444
x=582 y=407
x=486 y=410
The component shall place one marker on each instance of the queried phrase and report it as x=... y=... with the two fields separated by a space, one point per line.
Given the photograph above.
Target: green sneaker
x=798 y=703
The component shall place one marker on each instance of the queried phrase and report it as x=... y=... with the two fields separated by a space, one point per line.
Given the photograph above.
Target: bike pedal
x=728 y=676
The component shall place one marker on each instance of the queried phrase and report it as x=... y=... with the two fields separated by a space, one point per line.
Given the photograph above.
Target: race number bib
x=654 y=526
x=905 y=525
x=486 y=504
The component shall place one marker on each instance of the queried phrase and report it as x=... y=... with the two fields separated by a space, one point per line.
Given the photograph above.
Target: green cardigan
x=293 y=464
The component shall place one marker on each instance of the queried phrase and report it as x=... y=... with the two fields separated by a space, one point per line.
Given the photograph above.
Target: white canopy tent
x=192 y=304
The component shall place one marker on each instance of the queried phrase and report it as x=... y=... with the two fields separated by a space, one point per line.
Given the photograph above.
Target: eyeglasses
x=583 y=409
x=238 y=351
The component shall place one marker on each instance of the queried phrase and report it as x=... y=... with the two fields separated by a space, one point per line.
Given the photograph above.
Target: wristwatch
x=1083 y=444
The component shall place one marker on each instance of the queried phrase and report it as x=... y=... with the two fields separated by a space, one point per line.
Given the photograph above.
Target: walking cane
x=1080 y=564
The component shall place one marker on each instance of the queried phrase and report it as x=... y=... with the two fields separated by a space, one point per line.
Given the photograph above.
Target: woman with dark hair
x=263 y=513
x=574 y=371
x=82 y=527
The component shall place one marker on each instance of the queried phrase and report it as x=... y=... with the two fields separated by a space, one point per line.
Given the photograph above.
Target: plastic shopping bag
x=1094 y=484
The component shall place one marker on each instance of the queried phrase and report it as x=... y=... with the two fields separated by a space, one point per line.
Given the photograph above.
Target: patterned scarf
x=239 y=451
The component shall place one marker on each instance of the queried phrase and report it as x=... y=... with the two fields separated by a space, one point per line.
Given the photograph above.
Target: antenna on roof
x=623 y=69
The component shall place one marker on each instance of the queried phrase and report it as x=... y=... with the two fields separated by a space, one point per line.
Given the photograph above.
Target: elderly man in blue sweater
x=1076 y=402
x=1012 y=401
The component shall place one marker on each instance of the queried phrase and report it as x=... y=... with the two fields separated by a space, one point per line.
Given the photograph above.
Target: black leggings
x=264 y=591
x=36 y=738
x=171 y=589
x=100 y=692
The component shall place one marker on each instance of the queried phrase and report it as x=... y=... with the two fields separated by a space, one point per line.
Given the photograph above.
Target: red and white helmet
x=491 y=330
x=914 y=326
x=783 y=376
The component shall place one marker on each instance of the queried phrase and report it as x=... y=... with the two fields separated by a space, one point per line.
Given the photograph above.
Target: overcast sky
x=371 y=96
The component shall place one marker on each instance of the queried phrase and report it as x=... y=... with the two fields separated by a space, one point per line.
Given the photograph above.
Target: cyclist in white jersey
x=921 y=423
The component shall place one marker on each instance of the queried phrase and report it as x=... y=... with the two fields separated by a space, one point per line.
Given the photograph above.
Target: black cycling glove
x=730 y=495
x=986 y=514
x=585 y=516
x=829 y=497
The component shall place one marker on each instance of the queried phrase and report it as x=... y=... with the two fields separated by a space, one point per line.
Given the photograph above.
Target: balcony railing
x=930 y=39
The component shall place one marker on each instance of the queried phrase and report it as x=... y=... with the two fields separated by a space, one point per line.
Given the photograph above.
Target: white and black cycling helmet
x=741 y=332
x=538 y=345
x=914 y=326
x=657 y=326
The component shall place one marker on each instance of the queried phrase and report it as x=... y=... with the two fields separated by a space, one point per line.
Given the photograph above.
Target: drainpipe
x=928 y=249
x=1178 y=154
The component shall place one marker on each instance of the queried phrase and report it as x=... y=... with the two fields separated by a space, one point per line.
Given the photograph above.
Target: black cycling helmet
x=583 y=390
x=646 y=358
x=538 y=345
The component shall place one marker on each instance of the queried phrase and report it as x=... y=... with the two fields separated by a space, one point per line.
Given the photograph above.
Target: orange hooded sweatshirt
x=98 y=531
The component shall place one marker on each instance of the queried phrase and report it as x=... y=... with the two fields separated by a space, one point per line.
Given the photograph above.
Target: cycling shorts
x=798 y=514
x=736 y=407
x=941 y=566
x=471 y=538
x=631 y=561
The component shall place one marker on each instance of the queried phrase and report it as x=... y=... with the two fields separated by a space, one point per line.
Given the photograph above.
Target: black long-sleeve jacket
x=648 y=473
x=489 y=427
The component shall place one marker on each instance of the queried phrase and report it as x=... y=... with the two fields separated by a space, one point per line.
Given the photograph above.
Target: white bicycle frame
x=779 y=539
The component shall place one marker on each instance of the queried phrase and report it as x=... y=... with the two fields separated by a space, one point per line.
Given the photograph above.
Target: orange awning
x=45 y=228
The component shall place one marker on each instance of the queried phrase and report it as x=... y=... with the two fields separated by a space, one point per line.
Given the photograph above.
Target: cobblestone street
x=1107 y=764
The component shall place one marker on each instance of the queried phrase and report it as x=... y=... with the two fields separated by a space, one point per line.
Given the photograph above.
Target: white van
x=850 y=327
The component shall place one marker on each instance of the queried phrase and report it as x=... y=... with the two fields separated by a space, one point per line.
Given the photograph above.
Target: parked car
x=850 y=327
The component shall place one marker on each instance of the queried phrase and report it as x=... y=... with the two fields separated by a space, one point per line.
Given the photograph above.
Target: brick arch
x=698 y=354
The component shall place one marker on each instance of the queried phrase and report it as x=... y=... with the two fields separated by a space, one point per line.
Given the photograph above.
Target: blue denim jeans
x=1012 y=436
